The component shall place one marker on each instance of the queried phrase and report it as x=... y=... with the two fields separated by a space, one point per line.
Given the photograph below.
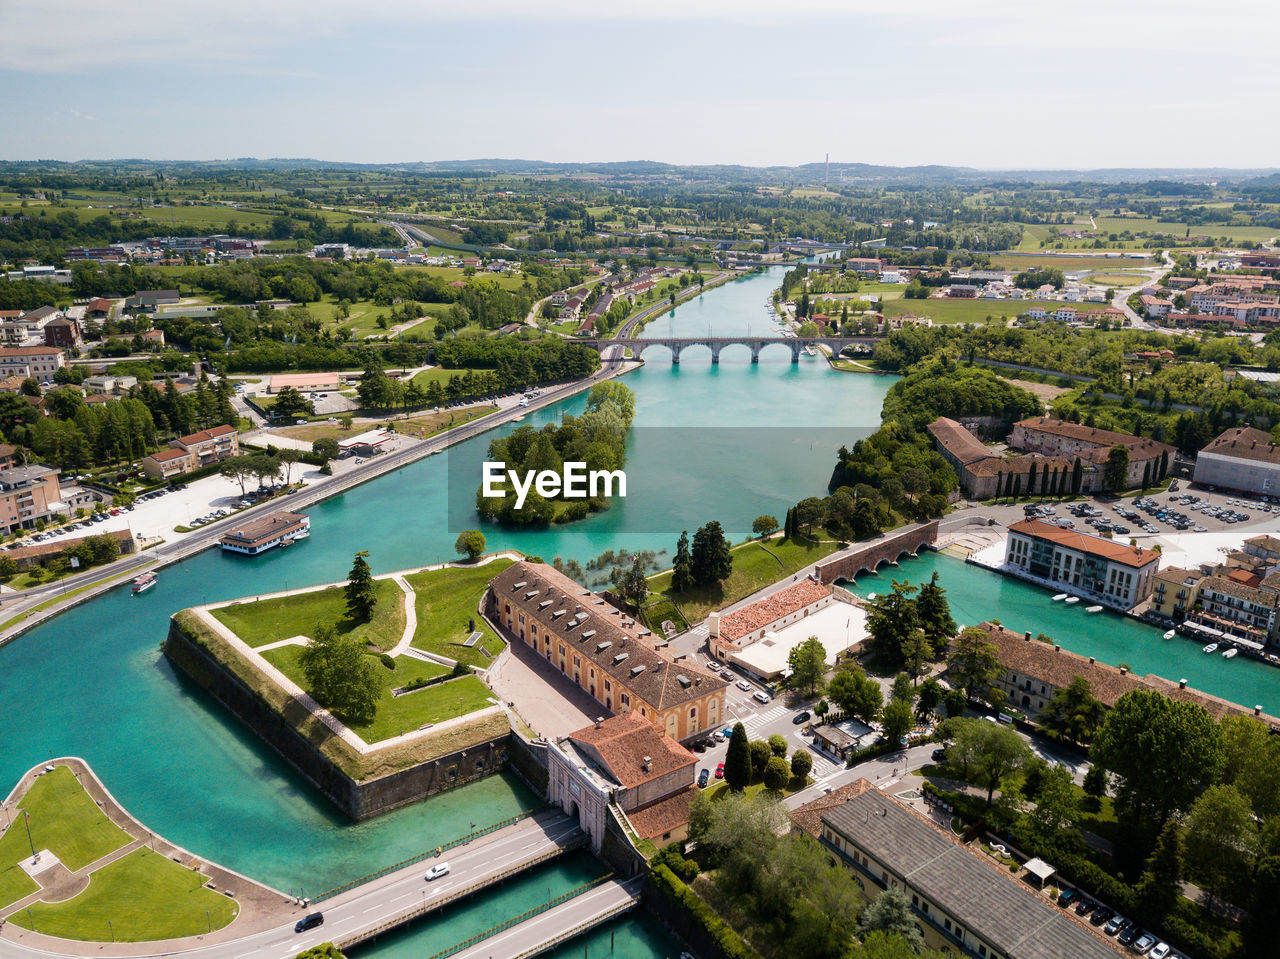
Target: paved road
x=349 y=916
x=533 y=935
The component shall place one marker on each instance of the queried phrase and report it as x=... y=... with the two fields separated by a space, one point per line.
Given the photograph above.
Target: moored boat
x=144 y=582
x=1094 y=609
x=1072 y=600
x=1170 y=634
x=1060 y=597
x=1211 y=648
x=1229 y=653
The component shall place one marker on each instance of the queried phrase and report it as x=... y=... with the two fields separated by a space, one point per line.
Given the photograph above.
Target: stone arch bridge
x=868 y=557
x=716 y=344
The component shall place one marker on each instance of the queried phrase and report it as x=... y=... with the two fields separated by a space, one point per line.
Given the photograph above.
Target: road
x=347 y=917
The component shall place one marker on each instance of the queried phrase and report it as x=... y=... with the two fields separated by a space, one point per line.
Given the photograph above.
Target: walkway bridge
x=869 y=556
x=756 y=344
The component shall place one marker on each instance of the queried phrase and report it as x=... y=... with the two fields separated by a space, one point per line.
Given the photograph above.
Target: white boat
x=1170 y=634
x=1094 y=609
x=1071 y=600
x=871 y=597
x=1211 y=648
x=144 y=583
x=1229 y=653
x=1060 y=597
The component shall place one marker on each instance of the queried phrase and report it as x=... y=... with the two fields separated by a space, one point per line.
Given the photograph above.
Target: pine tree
x=682 y=568
x=1146 y=475
x=1158 y=889
x=737 y=760
x=360 y=591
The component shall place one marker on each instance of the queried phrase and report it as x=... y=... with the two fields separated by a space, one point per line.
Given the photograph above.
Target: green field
x=446 y=603
x=1117 y=279
x=400 y=714
x=1118 y=224
x=439 y=375
x=1068 y=264
x=65 y=821
x=143 y=896
x=975 y=311
x=754 y=567
x=271 y=620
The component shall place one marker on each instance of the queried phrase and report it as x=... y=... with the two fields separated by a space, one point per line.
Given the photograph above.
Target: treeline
x=942 y=388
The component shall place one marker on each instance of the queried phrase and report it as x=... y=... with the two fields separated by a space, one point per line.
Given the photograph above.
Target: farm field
x=1252 y=234
x=974 y=311
x=1066 y=263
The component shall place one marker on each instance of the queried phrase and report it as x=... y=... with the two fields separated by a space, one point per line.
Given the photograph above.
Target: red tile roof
x=771 y=609
x=1094 y=545
x=624 y=742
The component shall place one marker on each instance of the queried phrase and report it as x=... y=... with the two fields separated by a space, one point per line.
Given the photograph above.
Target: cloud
x=81 y=116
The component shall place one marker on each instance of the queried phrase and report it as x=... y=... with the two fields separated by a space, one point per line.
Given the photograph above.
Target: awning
x=1040 y=869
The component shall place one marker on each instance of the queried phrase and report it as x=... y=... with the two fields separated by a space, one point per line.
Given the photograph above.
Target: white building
x=1108 y=572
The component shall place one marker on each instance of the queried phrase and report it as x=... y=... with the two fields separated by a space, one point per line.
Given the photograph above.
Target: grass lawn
x=1117 y=279
x=446 y=602
x=1068 y=263
x=440 y=375
x=975 y=311
x=720 y=789
x=400 y=714
x=65 y=821
x=754 y=567
x=271 y=620
x=144 y=895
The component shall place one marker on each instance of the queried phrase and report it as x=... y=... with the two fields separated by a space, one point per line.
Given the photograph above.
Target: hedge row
x=729 y=942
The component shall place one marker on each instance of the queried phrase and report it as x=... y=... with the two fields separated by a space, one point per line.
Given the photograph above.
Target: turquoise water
x=518 y=895
x=977 y=594
x=92 y=682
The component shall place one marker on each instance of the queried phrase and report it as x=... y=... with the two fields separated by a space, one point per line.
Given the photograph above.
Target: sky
x=993 y=84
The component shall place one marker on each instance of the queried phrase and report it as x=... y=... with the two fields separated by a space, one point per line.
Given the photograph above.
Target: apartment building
x=27 y=494
x=603 y=651
x=188 y=453
x=1100 y=569
x=39 y=363
x=1148 y=459
x=1242 y=459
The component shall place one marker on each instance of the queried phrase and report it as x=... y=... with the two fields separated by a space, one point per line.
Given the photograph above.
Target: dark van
x=309 y=922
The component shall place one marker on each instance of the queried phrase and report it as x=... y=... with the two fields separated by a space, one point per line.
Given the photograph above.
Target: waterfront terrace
x=604 y=651
x=1034 y=671
x=959 y=897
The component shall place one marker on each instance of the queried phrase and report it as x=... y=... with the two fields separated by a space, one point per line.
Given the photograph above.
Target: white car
x=438 y=870
x=1159 y=951
x=760 y=696
x=743 y=685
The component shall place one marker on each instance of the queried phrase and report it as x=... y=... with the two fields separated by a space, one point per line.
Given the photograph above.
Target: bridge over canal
x=716 y=344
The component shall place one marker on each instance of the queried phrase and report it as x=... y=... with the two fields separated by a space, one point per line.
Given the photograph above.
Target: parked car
x=939 y=755
x=800 y=717
x=1101 y=916
x=1115 y=924
x=1066 y=897
x=1159 y=951
x=743 y=685
x=720 y=771
x=1143 y=944
x=760 y=696
x=309 y=922
x=438 y=870
x=703 y=777
x=1128 y=934
x=1085 y=906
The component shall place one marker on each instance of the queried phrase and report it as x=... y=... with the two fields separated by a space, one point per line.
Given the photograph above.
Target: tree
x=339 y=675
x=29 y=387
x=1056 y=802
x=1073 y=711
x=764 y=525
x=761 y=753
x=682 y=568
x=1095 y=788
x=631 y=584
x=808 y=662
x=778 y=744
x=988 y=752
x=290 y=403
x=916 y=651
x=737 y=760
x=1077 y=476
x=1252 y=763
x=326 y=448
x=1163 y=752
x=934 y=613
x=974 y=662
x=239 y=469
x=470 y=543
x=1159 y=890
x=856 y=693
x=954 y=703
x=1219 y=839
x=287 y=458
x=1115 y=476
x=711 y=562
x=1262 y=929
x=361 y=591
x=929 y=696
x=776 y=774
x=897 y=720
x=891 y=914
x=801 y=764
x=891 y=621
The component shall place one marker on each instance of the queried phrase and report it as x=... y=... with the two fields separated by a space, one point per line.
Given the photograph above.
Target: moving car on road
x=438 y=870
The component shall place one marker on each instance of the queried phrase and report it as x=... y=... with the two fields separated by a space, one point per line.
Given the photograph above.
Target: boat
x=1211 y=648
x=1060 y=597
x=1094 y=609
x=1170 y=634
x=144 y=583
x=871 y=597
x=1071 y=600
x=1229 y=653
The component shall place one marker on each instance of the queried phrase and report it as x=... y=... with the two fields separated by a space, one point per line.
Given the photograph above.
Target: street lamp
x=26 y=819
x=113 y=930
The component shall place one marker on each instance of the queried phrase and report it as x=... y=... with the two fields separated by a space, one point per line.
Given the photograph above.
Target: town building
x=1148 y=459
x=983 y=475
x=108 y=383
x=189 y=453
x=41 y=274
x=1242 y=459
x=304 y=382
x=1174 y=592
x=1035 y=670
x=732 y=632
x=604 y=651
x=38 y=363
x=630 y=764
x=28 y=494
x=865 y=265
x=1089 y=566
x=148 y=301
x=961 y=899
x=368 y=443
x=63 y=333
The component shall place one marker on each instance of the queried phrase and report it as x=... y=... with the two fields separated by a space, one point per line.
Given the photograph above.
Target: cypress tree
x=1077 y=477
x=1017 y=486
x=737 y=760
x=999 y=485
x=1146 y=475
x=1164 y=464
x=1031 y=479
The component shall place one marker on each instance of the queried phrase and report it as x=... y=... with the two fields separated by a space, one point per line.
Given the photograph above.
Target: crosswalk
x=757 y=720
